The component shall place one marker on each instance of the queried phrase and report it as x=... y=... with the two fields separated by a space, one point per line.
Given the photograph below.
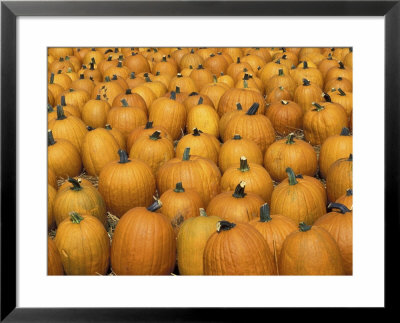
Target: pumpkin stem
x=215 y=80
x=155 y=135
x=200 y=101
x=124 y=103
x=75 y=184
x=63 y=103
x=75 y=217
x=345 y=132
x=132 y=76
x=147 y=79
x=90 y=128
x=193 y=94
x=108 y=127
x=236 y=137
x=265 y=215
x=128 y=91
x=51 y=78
x=327 y=97
x=350 y=158
x=50 y=138
x=349 y=192
x=177 y=89
x=284 y=102
x=107 y=79
x=149 y=125
x=200 y=67
x=155 y=206
x=60 y=113
x=280 y=72
x=202 y=212
x=343 y=209
x=81 y=76
x=341 y=65
x=244 y=166
x=304 y=227
x=245 y=84
x=179 y=188
x=253 y=109
x=239 y=190
x=239 y=106
x=49 y=108
x=246 y=77
x=224 y=226
x=173 y=95
x=305 y=65
x=292 y=176
x=123 y=157
x=317 y=106
x=341 y=92
x=306 y=82
x=186 y=154
x=290 y=140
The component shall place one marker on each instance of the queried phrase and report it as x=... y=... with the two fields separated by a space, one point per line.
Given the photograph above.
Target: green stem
x=128 y=91
x=124 y=103
x=245 y=84
x=50 y=138
x=341 y=92
x=107 y=79
x=51 y=78
x=81 y=76
x=149 y=125
x=345 y=132
x=89 y=128
x=202 y=212
x=291 y=176
x=132 y=76
x=49 y=108
x=155 y=135
x=173 y=95
x=244 y=166
x=200 y=101
x=60 y=113
x=63 y=103
x=177 y=89
x=265 y=215
x=327 y=97
x=155 y=206
x=350 y=158
x=341 y=65
x=290 y=138
x=304 y=227
x=305 y=65
x=306 y=82
x=317 y=106
x=239 y=107
x=343 y=209
x=75 y=184
x=108 y=127
x=224 y=226
x=179 y=188
x=186 y=154
x=253 y=109
x=239 y=190
x=196 y=132
x=236 y=137
x=349 y=192
x=75 y=217
x=280 y=72
x=123 y=157
x=193 y=94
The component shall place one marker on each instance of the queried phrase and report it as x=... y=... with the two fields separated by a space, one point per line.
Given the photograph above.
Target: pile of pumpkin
x=215 y=161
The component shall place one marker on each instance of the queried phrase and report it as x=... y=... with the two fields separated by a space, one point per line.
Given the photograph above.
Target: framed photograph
x=43 y=41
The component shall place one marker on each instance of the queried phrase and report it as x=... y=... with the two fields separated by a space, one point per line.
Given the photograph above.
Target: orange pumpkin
x=51 y=195
x=285 y=116
x=146 y=130
x=339 y=178
x=346 y=199
x=54 y=264
x=94 y=112
x=204 y=117
x=307 y=93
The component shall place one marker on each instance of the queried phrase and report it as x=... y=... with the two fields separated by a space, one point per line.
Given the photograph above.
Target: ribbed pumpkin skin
x=319 y=125
x=257 y=128
x=51 y=195
x=313 y=180
x=232 y=209
x=339 y=178
x=51 y=177
x=107 y=91
x=278 y=94
x=203 y=117
x=313 y=252
x=126 y=119
x=191 y=240
x=302 y=202
x=85 y=247
x=224 y=120
x=284 y=80
x=298 y=155
x=118 y=136
x=275 y=231
x=87 y=200
x=70 y=128
x=304 y=95
x=170 y=114
x=133 y=100
x=198 y=173
x=193 y=100
x=145 y=130
x=77 y=98
x=67 y=185
x=54 y=264
x=335 y=83
x=256 y=177
x=214 y=91
x=346 y=199
x=340 y=226
x=128 y=185
x=246 y=97
x=311 y=73
x=241 y=250
x=271 y=69
x=154 y=153
x=233 y=149
x=143 y=244
x=345 y=100
x=332 y=149
x=94 y=113
x=180 y=206
x=201 y=144
x=98 y=149
x=64 y=159
x=147 y=94
x=285 y=116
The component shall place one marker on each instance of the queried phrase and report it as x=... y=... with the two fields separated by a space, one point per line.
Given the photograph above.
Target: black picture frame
x=10 y=10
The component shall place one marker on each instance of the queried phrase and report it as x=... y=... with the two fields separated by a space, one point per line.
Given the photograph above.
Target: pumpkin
x=237 y=67
x=206 y=52
x=126 y=118
x=204 y=117
x=191 y=240
x=63 y=157
x=58 y=52
x=226 y=117
x=261 y=52
x=134 y=81
x=61 y=79
x=68 y=185
x=94 y=112
x=214 y=91
x=107 y=63
x=201 y=76
x=84 y=84
x=271 y=69
x=54 y=264
x=179 y=96
x=237 y=249
x=290 y=152
x=300 y=200
x=70 y=128
x=180 y=204
x=193 y=100
x=71 y=109
x=99 y=148
x=310 y=251
x=62 y=65
x=345 y=99
x=281 y=79
x=247 y=81
x=154 y=150
x=107 y=90
x=192 y=59
x=334 y=148
x=307 y=93
x=195 y=172
x=83 y=244
x=277 y=94
x=252 y=126
x=126 y=183
x=339 y=178
x=246 y=97
x=324 y=121
x=274 y=228
x=285 y=116
x=346 y=199
x=79 y=198
x=77 y=98
x=179 y=53
x=235 y=206
x=316 y=182
x=348 y=59
x=257 y=179
x=185 y=83
x=340 y=225
x=52 y=114
x=51 y=177
x=201 y=144
x=338 y=82
x=166 y=66
x=254 y=61
x=170 y=114
x=91 y=73
x=327 y=63
x=143 y=243
x=234 y=148
x=226 y=79
x=286 y=55
x=119 y=70
x=51 y=195
x=145 y=130
x=341 y=71
x=146 y=93
x=312 y=74
x=93 y=55
x=133 y=100
x=118 y=136
x=216 y=64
